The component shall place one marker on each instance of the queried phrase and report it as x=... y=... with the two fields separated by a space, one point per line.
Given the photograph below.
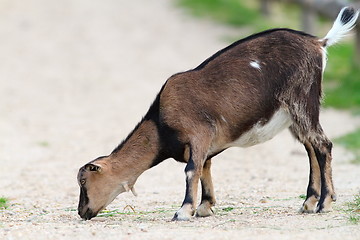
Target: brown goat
x=241 y=96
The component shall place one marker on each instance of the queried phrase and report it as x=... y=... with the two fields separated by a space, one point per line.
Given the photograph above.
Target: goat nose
x=87 y=215
x=81 y=210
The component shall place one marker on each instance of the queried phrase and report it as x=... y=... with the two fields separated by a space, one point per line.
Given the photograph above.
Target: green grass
x=129 y=210
x=228 y=209
x=232 y=12
x=342 y=90
x=351 y=142
x=354 y=209
x=43 y=144
x=302 y=196
x=3 y=203
x=342 y=78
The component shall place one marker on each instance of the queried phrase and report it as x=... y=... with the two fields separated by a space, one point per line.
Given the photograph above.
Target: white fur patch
x=260 y=133
x=324 y=58
x=255 y=64
x=339 y=29
x=189 y=174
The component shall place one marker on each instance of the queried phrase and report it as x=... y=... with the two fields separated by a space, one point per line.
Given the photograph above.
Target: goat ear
x=92 y=167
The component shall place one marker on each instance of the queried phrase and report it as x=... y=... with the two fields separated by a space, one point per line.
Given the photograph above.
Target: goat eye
x=82 y=181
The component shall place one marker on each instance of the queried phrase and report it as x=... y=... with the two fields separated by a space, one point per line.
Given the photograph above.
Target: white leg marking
x=189 y=174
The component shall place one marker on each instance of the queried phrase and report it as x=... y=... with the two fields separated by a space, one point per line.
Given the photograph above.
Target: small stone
x=263 y=200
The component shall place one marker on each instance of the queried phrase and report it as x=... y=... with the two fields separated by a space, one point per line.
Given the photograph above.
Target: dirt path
x=77 y=75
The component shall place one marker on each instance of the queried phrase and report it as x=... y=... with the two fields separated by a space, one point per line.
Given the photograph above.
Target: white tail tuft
x=344 y=22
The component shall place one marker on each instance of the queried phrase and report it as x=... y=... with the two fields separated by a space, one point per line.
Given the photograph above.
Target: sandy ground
x=75 y=78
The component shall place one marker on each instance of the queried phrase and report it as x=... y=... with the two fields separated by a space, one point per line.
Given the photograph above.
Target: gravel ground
x=75 y=78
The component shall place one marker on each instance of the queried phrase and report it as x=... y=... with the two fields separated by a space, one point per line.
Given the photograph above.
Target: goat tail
x=345 y=21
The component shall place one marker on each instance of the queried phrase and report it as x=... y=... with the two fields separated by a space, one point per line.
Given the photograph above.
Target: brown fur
x=121 y=168
x=199 y=113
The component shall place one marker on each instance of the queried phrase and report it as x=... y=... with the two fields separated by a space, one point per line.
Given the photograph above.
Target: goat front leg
x=196 y=155
x=314 y=186
x=187 y=209
x=207 y=195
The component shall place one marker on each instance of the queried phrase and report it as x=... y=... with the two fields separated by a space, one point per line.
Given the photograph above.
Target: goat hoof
x=180 y=216
x=325 y=206
x=204 y=211
x=309 y=206
x=320 y=209
x=304 y=209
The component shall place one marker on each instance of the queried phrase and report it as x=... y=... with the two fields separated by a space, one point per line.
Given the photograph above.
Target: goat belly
x=260 y=132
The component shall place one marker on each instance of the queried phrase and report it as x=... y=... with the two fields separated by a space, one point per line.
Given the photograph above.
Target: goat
x=243 y=95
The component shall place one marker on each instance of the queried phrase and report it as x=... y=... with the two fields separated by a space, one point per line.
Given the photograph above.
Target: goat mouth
x=88 y=214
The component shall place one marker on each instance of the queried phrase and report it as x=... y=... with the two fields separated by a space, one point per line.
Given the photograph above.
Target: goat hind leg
x=307 y=129
x=322 y=147
x=314 y=186
x=207 y=195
